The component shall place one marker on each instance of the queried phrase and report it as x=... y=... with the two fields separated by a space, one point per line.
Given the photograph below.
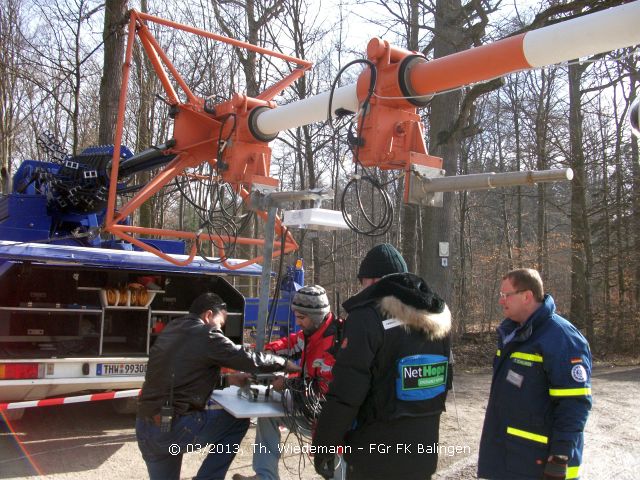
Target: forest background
x=60 y=71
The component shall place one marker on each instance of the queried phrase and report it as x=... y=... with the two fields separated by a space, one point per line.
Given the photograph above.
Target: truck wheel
x=125 y=406
x=13 y=414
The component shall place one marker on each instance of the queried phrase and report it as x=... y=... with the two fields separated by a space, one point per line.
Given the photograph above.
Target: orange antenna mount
x=390 y=134
x=245 y=161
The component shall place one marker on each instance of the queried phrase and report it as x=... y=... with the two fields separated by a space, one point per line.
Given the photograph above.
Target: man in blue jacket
x=541 y=388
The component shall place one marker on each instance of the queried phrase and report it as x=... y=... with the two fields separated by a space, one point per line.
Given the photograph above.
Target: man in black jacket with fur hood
x=391 y=376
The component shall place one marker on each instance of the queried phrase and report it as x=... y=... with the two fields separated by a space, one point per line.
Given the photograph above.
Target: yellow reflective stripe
x=532 y=357
x=569 y=392
x=573 y=472
x=498 y=353
x=528 y=435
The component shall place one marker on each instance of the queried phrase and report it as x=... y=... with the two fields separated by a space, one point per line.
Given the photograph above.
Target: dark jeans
x=214 y=430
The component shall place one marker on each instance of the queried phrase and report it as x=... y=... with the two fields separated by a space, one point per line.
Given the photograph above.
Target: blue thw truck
x=79 y=313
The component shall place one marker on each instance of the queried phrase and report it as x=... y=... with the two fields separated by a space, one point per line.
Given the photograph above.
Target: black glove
x=556 y=468
x=324 y=464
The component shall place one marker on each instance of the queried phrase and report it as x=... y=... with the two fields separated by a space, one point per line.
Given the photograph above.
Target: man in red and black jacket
x=314 y=345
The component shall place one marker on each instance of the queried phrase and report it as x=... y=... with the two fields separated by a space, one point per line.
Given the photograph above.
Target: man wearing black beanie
x=382 y=260
x=391 y=376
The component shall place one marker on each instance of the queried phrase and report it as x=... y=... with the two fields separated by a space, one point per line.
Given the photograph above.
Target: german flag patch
x=576 y=360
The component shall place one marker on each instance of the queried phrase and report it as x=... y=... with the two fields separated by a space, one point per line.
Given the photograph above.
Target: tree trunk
x=635 y=163
x=9 y=58
x=438 y=222
x=607 y=253
x=542 y=117
x=620 y=259
x=145 y=78
x=410 y=245
x=518 y=153
x=580 y=236
x=635 y=170
x=462 y=307
x=114 y=35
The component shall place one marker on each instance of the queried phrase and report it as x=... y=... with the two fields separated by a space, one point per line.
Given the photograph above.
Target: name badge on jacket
x=514 y=378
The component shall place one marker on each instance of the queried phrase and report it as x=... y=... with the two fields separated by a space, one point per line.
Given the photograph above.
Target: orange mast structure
x=247 y=157
x=390 y=132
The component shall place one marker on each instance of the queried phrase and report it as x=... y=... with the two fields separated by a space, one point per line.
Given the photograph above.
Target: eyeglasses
x=506 y=295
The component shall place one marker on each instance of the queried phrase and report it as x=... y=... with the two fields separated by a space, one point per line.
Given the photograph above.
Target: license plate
x=106 y=369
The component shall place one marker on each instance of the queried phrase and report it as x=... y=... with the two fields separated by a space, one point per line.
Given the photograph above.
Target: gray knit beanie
x=312 y=301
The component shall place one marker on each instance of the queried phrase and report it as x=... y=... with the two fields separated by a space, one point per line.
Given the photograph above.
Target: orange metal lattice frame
x=195 y=135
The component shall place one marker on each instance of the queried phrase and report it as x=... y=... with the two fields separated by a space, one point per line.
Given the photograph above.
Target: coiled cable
x=372 y=225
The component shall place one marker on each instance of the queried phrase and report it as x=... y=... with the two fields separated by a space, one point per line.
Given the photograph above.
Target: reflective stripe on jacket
x=540 y=397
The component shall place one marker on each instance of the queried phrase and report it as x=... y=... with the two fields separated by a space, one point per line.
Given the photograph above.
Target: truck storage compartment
x=42 y=332
x=125 y=331
x=43 y=315
x=56 y=311
x=181 y=289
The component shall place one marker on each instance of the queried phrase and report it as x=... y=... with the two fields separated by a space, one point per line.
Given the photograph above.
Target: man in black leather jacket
x=183 y=370
x=391 y=376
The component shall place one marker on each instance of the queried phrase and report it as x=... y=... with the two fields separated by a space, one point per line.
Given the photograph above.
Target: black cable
x=387 y=213
x=271 y=317
x=223 y=217
x=375 y=228
x=222 y=226
x=225 y=228
x=220 y=164
x=302 y=400
x=216 y=227
x=372 y=85
x=236 y=202
x=186 y=196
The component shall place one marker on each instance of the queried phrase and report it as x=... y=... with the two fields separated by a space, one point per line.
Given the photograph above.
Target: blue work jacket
x=540 y=397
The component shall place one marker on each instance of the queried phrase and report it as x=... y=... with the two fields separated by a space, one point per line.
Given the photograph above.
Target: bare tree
x=10 y=85
x=113 y=36
x=246 y=20
x=63 y=65
x=437 y=224
x=581 y=255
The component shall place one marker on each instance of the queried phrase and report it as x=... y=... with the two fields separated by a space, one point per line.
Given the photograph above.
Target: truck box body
x=60 y=334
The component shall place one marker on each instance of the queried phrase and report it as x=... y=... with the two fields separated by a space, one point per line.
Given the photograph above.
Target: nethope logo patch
x=424 y=376
x=579 y=374
x=421 y=377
